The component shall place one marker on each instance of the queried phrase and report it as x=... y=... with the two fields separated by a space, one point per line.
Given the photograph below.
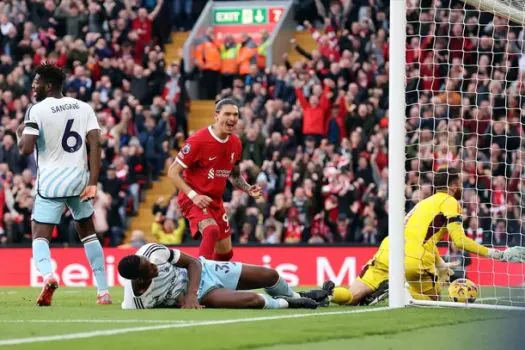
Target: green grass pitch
x=76 y=322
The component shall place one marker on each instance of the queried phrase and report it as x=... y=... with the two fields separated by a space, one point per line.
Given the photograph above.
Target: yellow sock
x=342 y=296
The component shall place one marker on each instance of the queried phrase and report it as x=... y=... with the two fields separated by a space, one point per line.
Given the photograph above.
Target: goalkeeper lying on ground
x=161 y=277
x=425 y=225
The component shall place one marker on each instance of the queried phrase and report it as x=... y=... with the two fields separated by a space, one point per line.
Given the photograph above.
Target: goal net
x=465 y=89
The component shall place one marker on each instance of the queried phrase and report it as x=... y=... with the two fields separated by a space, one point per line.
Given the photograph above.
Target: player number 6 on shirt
x=68 y=133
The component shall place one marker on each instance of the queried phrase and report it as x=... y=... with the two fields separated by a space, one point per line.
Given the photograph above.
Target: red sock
x=210 y=236
x=223 y=257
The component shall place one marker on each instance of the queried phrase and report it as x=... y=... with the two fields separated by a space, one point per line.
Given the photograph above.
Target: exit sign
x=232 y=16
x=227 y=16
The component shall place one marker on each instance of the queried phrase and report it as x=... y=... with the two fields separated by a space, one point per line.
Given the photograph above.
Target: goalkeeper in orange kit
x=425 y=225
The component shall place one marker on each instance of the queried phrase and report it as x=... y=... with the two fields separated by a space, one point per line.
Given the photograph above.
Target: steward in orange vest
x=247 y=55
x=208 y=60
x=262 y=50
x=230 y=67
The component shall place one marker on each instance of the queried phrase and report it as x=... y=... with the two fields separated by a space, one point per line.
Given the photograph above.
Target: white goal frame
x=396 y=155
x=398 y=294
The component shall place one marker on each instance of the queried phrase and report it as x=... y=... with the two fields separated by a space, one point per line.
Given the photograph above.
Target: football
x=463 y=291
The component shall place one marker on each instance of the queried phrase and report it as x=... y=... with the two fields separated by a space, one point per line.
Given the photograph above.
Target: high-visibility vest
x=207 y=55
x=247 y=57
x=261 y=54
x=229 y=59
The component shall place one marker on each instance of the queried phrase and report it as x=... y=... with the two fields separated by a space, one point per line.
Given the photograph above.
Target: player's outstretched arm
x=238 y=181
x=452 y=212
x=461 y=241
x=156 y=10
x=194 y=268
x=175 y=174
x=513 y=254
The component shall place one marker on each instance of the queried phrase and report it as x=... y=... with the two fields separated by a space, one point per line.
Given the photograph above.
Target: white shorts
x=49 y=211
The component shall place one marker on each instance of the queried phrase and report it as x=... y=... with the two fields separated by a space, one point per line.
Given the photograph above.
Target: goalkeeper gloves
x=513 y=254
x=445 y=271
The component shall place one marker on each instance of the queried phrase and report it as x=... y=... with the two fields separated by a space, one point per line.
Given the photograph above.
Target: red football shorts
x=195 y=215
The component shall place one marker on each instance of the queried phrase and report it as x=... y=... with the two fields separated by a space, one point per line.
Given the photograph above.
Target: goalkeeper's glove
x=513 y=254
x=445 y=271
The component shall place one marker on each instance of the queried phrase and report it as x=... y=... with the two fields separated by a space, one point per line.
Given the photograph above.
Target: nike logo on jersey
x=212 y=158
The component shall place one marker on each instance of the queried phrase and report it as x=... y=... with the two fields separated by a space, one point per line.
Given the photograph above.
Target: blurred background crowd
x=314 y=133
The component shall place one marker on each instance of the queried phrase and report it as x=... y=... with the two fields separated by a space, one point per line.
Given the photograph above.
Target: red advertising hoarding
x=298 y=265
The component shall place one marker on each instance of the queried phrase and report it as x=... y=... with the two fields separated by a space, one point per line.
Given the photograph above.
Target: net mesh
x=465 y=77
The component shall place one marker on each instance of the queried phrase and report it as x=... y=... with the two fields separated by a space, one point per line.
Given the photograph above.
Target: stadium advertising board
x=299 y=266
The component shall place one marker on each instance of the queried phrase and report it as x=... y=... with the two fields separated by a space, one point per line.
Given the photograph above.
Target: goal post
x=396 y=154
x=514 y=10
x=456 y=98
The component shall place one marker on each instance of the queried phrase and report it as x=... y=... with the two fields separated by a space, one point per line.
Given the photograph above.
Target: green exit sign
x=240 y=16
x=227 y=16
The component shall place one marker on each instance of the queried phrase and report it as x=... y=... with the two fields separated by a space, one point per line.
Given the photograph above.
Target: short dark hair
x=444 y=177
x=51 y=74
x=225 y=102
x=128 y=267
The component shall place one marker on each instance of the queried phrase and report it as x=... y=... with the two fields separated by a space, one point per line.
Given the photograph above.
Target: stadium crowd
x=112 y=53
x=465 y=84
x=314 y=134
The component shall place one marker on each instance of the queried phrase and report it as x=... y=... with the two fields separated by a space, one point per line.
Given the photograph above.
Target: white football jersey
x=61 y=125
x=165 y=289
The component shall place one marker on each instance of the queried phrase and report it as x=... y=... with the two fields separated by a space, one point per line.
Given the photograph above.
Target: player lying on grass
x=161 y=277
x=425 y=225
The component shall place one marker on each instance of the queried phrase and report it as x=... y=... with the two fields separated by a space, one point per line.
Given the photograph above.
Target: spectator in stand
x=152 y=138
x=229 y=65
x=208 y=61
x=10 y=155
x=293 y=227
x=262 y=50
x=314 y=133
x=253 y=146
x=137 y=239
x=75 y=17
x=113 y=186
x=142 y=28
x=247 y=55
x=182 y=10
x=168 y=231
x=90 y=40
x=176 y=95
x=315 y=110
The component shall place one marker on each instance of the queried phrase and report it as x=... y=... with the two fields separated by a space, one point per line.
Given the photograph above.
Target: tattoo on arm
x=237 y=180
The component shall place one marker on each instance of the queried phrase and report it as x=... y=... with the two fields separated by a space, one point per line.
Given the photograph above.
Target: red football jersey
x=208 y=162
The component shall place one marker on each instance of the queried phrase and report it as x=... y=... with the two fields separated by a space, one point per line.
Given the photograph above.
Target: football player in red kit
x=207 y=160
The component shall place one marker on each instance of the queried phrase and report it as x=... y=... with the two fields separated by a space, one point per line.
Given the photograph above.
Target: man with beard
x=425 y=225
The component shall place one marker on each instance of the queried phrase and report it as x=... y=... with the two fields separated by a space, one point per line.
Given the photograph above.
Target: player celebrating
x=161 y=277
x=425 y=225
x=60 y=128
x=209 y=158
